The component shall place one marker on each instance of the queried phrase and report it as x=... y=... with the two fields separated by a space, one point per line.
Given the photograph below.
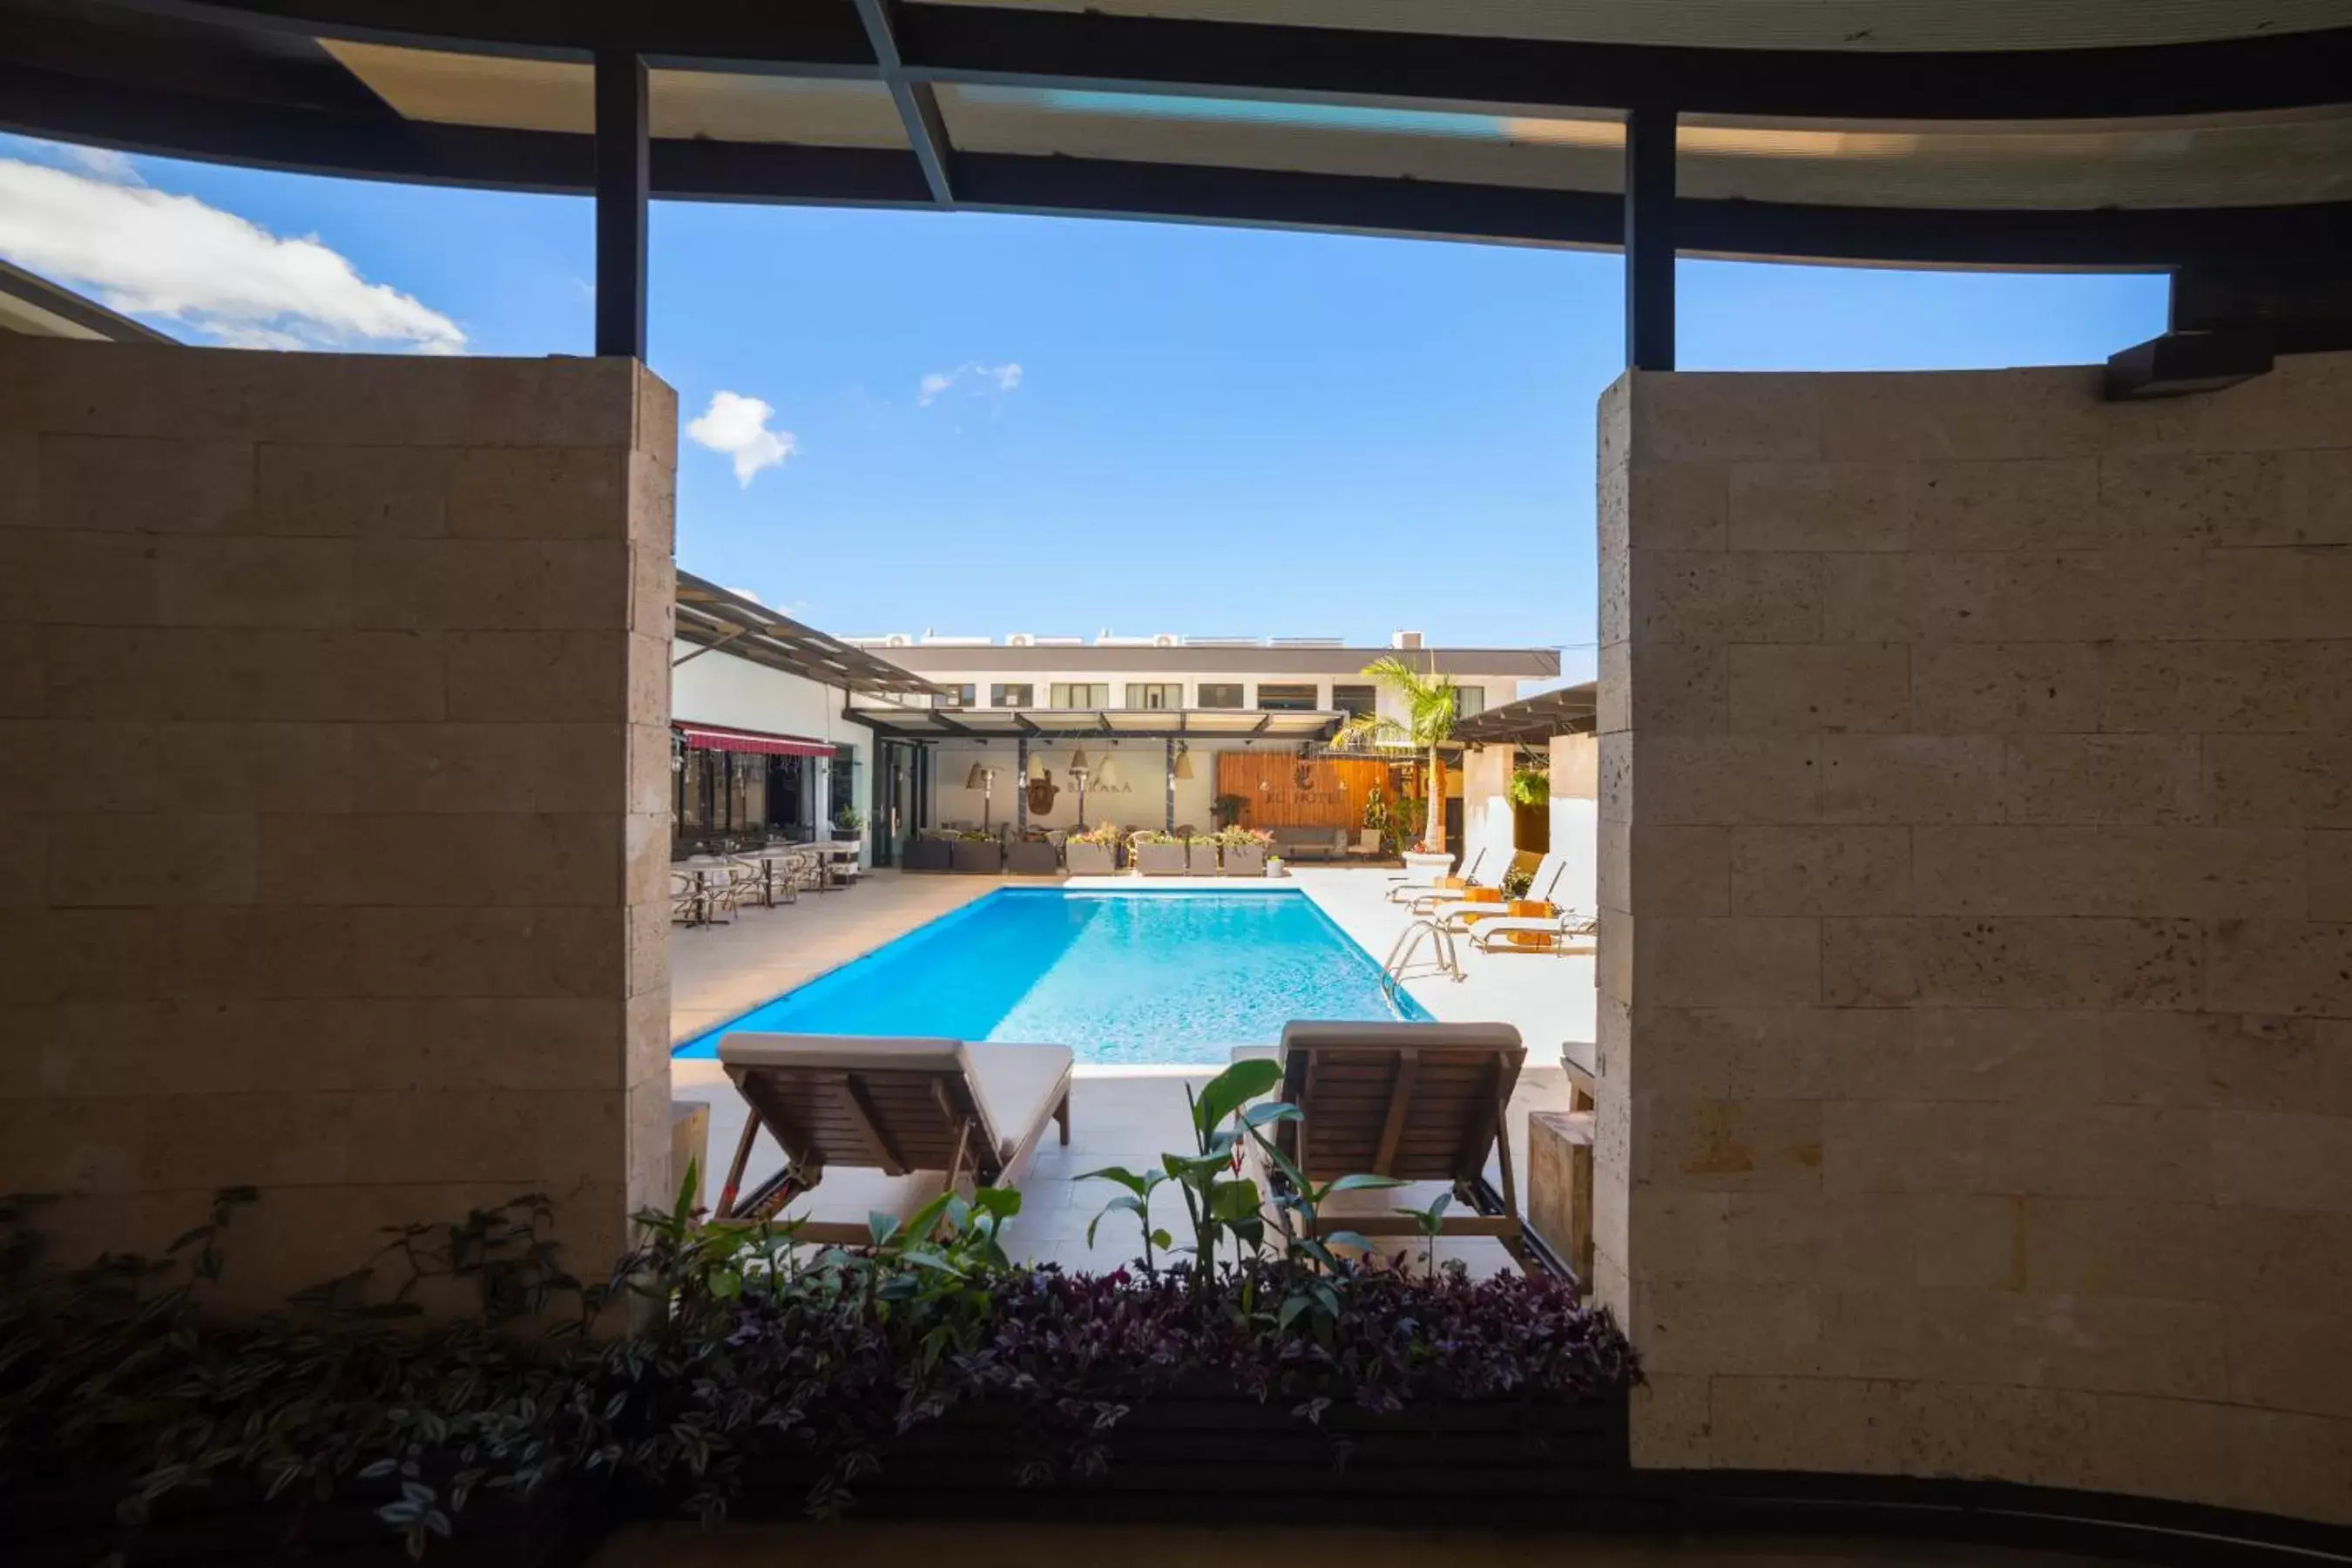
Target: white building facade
x=1143 y=721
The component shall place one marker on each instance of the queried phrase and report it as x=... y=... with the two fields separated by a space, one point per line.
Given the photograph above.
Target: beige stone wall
x=1976 y=955
x=333 y=700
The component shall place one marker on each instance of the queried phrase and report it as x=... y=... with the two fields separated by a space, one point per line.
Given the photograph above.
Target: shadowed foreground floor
x=853 y=1546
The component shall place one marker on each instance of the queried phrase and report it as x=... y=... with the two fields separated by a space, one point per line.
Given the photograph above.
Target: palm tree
x=1428 y=708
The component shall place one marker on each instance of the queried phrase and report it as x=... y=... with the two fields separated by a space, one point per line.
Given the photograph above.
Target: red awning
x=719 y=738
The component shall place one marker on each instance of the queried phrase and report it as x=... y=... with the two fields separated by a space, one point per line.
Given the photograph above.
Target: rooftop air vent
x=1404 y=639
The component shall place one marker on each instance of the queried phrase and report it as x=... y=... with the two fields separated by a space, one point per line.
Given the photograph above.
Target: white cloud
x=151 y=253
x=106 y=163
x=738 y=426
x=747 y=594
x=999 y=379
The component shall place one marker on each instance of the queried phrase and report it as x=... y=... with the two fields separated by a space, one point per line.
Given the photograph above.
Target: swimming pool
x=1119 y=977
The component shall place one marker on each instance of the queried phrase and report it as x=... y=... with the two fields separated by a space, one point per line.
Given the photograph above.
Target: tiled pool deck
x=1117 y=1115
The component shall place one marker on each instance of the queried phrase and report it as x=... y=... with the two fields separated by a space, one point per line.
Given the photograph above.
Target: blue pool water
x=1116 y=977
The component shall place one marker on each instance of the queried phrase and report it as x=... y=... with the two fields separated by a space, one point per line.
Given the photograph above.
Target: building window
x=1286 y=699
x=1021 y=695
x=1362 y=700
x=1079 y=694
x=1469 y=701
x=1220 y=694
x=1155 y=694
x=956 y=697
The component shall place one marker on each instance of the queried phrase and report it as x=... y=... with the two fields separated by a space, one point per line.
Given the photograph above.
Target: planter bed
x=970 y=857
x=1161 y=860
x=1250 y=862
x=928 y=854
x=71 y=1526
x=1032 y=857
x=1090 y=860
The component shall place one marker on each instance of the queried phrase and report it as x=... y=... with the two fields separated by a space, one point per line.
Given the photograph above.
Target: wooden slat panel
x=1277 y=790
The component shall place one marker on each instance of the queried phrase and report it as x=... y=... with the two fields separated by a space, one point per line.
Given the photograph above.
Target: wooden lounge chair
x=909 y=1117
x=1422 y=1102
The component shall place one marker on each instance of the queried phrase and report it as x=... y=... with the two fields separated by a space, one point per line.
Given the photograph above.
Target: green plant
x=1430 y=704
x=1517 y=882
x=1153 y=835
x=1530 y=785
x=1429 y=1221
x=849 y=819
x=1244 y=838
x=976 y=836
x=1226 y=809
x=1106 y=836
x=754 y=1359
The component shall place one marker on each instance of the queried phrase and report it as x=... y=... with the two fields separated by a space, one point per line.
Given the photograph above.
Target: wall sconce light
x=1183 y=760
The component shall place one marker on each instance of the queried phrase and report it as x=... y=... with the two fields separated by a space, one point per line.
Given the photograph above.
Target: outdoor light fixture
x=982 y=778
x=1183 y=762
x=1078 y=761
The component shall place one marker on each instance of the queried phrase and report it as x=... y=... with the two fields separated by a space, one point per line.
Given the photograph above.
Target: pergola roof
x=2096 y=132
x=1098 y=723
x=714 y=620
x=1531 y=720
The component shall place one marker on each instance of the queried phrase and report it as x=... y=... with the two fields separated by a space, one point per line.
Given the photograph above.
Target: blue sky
x=1209 y=430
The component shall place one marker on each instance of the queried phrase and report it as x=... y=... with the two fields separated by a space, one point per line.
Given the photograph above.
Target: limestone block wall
x=1976 y=955
x=333 y=792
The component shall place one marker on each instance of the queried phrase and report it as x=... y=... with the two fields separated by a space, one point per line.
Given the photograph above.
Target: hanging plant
x=1530 y=786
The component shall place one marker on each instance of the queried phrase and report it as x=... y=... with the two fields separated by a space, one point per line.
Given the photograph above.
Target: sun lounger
x=1560 y=931
x=1458 y=915
x=1421 y=1103
x=1405 y=892
x=905 y=1118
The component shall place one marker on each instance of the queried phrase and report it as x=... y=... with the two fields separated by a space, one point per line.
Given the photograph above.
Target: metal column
x=1171 y=785
x=1650 y=239
x=1021 y=785
x=623 y=180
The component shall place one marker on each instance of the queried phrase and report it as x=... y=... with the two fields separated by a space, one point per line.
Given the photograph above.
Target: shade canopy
x=712 y=617
x=1098 y=723
x=720 y=738
x=1531 y=720
x=2097 y=132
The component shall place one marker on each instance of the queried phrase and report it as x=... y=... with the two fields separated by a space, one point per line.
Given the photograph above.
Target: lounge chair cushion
x=1393 y=1035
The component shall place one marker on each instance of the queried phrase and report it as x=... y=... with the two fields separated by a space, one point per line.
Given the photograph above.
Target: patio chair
x=1458 y=915
x=1553 y=930
x=905 y=1118
x=1404 y=890
x=1421 y=1103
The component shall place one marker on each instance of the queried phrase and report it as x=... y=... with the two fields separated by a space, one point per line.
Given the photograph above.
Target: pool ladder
x=1442 y=957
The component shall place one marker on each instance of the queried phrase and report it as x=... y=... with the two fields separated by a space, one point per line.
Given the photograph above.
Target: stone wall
x=333 y=777
x=1976 y=954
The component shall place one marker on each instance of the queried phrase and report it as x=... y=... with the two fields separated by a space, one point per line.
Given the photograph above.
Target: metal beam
x=1053 y=48
x=1650 y=239
x=624 y=185
x=324 y=141
x=917 y=101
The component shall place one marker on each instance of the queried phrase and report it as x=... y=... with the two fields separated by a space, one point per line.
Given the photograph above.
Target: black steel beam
x=1650 y=239
x=1036 y=46
x=623 y=186
x=371 y=145
x=918 y=102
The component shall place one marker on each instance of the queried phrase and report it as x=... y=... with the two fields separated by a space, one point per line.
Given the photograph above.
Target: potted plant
x=1226 y=809
x=976 y=853
x=1200 y=853
x=1158 y=854
x=1245 y=851
x=1033 y=856
x=928 y=851
x=1427 y=862
x=1093 y=853
x=848 y=823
